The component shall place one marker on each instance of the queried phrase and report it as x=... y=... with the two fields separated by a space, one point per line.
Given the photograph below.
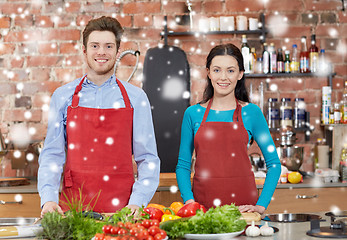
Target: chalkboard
x=167 y=85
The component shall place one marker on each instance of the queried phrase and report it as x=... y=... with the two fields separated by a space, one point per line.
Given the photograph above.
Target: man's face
x=101 y=52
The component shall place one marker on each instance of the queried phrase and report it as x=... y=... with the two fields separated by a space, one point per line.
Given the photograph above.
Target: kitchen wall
x=40 y=49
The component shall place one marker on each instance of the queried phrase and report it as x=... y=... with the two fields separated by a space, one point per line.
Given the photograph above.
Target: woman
x=220 y=128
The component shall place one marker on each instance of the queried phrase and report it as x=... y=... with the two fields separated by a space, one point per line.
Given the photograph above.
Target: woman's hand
x=134 y=209
x=51 y=207
x=189 y=201
x=251 y=208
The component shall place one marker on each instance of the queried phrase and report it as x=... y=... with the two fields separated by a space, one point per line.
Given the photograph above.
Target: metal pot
x=291 y=157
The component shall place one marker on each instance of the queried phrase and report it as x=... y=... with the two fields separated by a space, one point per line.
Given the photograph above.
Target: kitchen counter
x=169 y=179
x=287 y=231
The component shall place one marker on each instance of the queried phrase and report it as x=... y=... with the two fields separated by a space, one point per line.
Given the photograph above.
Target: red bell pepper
x=190 y=209
x=154 y=213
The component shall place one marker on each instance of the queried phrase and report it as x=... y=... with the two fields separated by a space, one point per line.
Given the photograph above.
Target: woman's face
x=224 y=73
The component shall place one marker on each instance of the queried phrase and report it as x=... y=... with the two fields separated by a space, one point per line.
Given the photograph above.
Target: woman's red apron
x=99 y=155
x=223 y=171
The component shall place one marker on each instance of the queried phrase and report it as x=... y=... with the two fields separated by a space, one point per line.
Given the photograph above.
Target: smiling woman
x=223 y=172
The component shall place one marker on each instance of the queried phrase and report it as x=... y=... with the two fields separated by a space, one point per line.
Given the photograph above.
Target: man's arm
x=52 y=157
x=145 y=153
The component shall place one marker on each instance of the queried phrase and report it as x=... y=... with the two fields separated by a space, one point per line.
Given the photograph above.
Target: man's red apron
x=223 y=170
x=99 y=155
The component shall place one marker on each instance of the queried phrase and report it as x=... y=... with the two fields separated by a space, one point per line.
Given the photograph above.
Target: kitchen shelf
x=291 y=75
x=262 y=31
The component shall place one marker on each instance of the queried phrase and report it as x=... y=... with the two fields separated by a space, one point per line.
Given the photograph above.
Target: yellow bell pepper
x=167 y=217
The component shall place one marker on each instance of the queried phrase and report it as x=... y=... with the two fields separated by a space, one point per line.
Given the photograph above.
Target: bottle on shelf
x=253 y=60
x=304 y=57
x=326 y=104
x=259 y=65
x=246 y=53
x=313 y=54
x=287 y=61
x=295 y=64
x=273 y=58
x=337 y=113
x=273 y=113
x=343 y=164
x=280 y=61
x=323 y=64
x=286 y=113
x=266 y=59
x=344 y=105
x=299 y=113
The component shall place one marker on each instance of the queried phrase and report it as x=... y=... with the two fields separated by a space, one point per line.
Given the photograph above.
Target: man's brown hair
x=103 y=24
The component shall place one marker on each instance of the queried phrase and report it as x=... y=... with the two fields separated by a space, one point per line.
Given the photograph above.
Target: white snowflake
x=146 y=182
x=173 y=189
x=106 y=178
x=115 y=201
x=71 y=146
x=217 y=202
x=271 y=149
x=109 y=141
x=30 y=157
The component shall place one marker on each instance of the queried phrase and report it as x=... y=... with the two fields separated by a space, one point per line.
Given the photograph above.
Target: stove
x=337 y=228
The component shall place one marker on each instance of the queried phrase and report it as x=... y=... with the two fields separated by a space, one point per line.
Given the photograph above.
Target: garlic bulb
x=266 y=230
x=252 y=231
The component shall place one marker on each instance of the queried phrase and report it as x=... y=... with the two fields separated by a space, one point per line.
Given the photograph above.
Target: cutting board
x=9 y=182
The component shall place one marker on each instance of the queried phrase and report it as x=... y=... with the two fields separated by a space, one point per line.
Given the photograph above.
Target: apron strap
x=237 y=112
x=75 y=97
x=124 y=93
x=207 y=110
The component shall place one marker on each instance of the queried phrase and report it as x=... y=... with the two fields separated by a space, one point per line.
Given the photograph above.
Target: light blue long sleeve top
x=256 y=126
x=108 y=95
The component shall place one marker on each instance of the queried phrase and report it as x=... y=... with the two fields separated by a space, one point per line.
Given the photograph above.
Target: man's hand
x=51 y=207
x=134 y=209
x=251 y=208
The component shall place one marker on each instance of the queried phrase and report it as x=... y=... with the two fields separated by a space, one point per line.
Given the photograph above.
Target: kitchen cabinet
x=30 y=206
x=285 y=200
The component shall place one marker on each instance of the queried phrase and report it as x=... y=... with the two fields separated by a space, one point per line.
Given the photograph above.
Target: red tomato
x=132 y=238
x=114 y=230
x=138 y=225
x=106 y=228
x=150 y=237
x=107 y=238
x=120 y=224
x=99 y=236
x=134 y=230
x=122 y=231
x=146 y=223
x=128 y=225
x=155 y=223
x=158 y=236
x=163 y=233
x=153 y=230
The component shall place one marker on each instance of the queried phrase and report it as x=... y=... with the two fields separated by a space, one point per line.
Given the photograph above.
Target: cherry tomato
x=158 y=236
x=155 y=222
x=134 y=230
x=120 y=224
x=146 y=223
x=122 y=231
x=163 y=233
x=107 y=238
x=150 y=237
x=99 y=236
x=128 y=225
x=138 y=225
x=132 y=238
x=114 y=230
x=106 y=228
x=153 y=230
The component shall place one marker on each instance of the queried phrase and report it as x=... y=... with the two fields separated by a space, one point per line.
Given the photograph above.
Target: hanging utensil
x=3 y=148
x=130 y=51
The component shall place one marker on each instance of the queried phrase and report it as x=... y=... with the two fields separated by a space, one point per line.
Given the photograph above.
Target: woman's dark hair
x=103 y=24
x=231 y=50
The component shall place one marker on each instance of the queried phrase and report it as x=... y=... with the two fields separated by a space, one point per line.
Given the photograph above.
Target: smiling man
x=96 y=123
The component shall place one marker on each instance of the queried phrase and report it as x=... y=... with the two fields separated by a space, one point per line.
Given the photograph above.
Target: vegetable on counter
x=154 y=213
x=253 y=231
x=190 y=209
x=170 y=216
x=225 y=219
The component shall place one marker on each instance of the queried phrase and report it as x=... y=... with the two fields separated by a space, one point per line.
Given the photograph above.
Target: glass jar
x=286 y=112
x=273 y=113
x=299 y=113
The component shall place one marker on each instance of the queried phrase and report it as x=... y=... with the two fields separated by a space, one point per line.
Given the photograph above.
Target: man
x=95 y=125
